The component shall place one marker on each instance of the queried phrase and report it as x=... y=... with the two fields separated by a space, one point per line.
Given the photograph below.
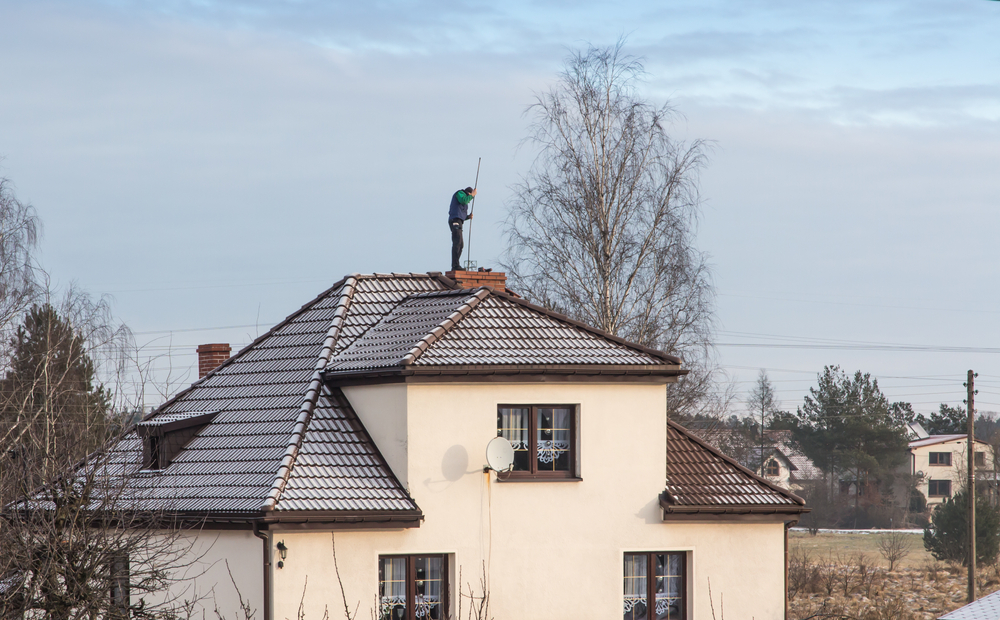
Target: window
x=654 y=586
x=939 y=488
x=940 y=458
x=120 y=599
x=772 y=469
x=980 y=459
x=412 y=587
x=543 y=437
x=153 y=453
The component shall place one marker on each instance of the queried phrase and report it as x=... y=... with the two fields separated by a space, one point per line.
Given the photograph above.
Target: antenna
x=499 y=455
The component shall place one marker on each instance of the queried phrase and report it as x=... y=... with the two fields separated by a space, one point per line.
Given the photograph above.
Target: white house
x=940 y=464
x=358 y=426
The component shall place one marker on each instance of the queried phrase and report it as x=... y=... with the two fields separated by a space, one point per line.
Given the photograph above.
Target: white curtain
x=514 y=427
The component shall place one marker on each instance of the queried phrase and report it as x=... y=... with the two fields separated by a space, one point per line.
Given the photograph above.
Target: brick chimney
x=211 y=356
x=483 y=277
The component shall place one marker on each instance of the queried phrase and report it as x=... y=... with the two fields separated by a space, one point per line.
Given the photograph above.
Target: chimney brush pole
x=472 y=211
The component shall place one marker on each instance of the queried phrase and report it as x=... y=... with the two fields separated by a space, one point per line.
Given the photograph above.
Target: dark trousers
x=457 y=243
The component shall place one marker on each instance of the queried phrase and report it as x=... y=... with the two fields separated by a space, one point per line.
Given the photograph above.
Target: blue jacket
x=459 y=209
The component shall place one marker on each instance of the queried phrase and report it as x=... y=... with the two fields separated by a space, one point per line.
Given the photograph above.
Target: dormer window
x=772 y=468
x=152 y=455
x=165 y=435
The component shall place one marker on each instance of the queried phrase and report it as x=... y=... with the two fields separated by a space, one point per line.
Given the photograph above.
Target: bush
x=947 y=535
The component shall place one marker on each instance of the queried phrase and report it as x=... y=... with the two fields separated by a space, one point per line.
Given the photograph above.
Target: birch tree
x=602 y=226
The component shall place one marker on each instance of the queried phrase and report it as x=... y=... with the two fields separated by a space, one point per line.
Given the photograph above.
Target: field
x=844 y=576
x=825 y=545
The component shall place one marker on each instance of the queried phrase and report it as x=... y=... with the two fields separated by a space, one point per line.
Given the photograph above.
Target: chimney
x=483 y=277
x=211 y=356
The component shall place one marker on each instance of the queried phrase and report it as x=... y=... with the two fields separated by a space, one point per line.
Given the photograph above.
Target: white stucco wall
x=382 y=410
x=552 y=549
x=201 y=574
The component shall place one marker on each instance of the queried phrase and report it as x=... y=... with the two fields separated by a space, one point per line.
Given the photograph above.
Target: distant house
x=940 y=464
x=802 y=470
x=362 y=420
x=782 y=463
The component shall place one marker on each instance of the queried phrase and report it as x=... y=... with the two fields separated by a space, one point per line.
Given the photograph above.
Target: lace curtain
x=514 y=427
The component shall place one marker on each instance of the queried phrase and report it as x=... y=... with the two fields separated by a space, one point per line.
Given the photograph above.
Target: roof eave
x=345 y=519
x=509 y=372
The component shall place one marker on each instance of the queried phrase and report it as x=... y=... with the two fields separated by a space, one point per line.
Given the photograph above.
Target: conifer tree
x=53 y=411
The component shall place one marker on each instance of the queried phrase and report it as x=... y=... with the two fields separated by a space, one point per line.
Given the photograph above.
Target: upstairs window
x=940 y=458
x=543 y=438
x=413 y=587
x=980 y=459
x=655 y=586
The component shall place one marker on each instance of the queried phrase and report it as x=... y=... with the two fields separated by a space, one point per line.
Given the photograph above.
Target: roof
x=804 y=468
x=483 y=327
x=270 y=412
x=267 y=435
x=936 y=439
x=701 y=481
x=986 y=608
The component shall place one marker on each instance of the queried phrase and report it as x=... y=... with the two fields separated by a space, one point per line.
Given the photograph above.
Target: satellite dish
x=499 y=454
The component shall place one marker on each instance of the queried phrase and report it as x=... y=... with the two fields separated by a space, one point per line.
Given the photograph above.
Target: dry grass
x=826 y=545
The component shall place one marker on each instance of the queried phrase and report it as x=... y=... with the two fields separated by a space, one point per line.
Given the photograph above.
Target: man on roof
x=457 y=214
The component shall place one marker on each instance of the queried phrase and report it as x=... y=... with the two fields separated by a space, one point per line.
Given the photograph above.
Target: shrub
x=947 y=535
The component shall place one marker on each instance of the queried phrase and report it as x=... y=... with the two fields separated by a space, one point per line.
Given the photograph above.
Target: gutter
x=266 y=563
x=529 y=372
x=347 y=519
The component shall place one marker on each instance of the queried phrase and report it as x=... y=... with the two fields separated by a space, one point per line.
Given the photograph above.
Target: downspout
x=267 y=568
x=788 y=525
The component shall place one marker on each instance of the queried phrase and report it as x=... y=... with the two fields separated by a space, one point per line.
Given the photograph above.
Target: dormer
x=164 y=436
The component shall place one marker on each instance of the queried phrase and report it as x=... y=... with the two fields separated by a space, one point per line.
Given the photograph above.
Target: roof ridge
x=703 y=444
x=445 y=326
x=311 y=396
x=247 y=348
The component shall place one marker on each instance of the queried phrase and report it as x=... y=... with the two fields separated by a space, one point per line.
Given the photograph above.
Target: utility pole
x=971 y=493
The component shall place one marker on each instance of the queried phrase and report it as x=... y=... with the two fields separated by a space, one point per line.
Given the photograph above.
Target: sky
x=213 y=165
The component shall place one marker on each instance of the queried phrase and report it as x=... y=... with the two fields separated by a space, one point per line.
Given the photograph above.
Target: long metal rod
x=971 y=494
x=472 y=211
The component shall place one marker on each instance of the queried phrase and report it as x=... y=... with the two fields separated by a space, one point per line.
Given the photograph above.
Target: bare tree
x=19 y=231
x=602 y=226
x=82 y=547
x=894 y=547
x=80 y=538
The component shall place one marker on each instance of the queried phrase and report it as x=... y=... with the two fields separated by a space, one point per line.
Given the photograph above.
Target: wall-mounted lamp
x=283 y=553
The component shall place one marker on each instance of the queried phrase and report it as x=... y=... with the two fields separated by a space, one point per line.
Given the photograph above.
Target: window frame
x=937 y=483
x=776 y=466
x=533 y=473
x=411 y=582
x=979 y=459
x=651 y=581
x=934 y=459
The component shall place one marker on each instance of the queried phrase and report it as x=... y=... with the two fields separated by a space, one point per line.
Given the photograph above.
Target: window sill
x=514 y=479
